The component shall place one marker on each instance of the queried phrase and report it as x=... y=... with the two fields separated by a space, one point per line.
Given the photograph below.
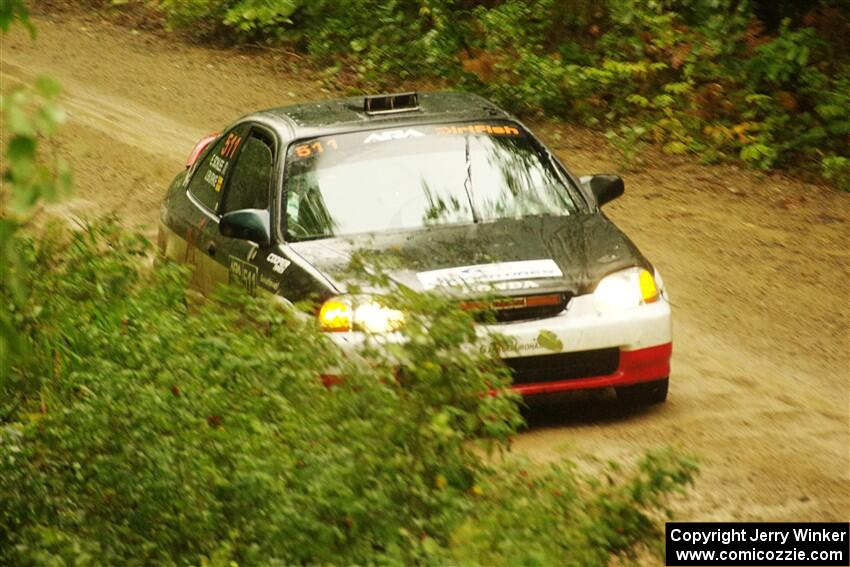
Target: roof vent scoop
x=389 y=103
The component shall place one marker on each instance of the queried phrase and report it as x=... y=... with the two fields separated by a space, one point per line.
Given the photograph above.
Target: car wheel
x=645 y=394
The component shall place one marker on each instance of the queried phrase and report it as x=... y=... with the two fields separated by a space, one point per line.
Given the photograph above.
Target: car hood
x=528 y=255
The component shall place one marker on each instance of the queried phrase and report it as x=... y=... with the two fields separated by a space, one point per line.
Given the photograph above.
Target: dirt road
x=757 y=265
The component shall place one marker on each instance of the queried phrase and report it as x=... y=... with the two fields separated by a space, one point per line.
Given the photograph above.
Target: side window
x=250 y=180
x=211 y=173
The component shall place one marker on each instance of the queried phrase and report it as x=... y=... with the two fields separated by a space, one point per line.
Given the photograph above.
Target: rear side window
x=212 y=172
x=248 y=186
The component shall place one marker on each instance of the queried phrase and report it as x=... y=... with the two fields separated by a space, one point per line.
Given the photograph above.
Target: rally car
x=279 y=201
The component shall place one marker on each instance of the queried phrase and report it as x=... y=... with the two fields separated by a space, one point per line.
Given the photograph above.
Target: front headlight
x=335 y=315
x=625 y=290
x=340 y=314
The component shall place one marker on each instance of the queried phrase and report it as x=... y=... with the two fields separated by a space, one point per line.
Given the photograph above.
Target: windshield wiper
x=467 y=184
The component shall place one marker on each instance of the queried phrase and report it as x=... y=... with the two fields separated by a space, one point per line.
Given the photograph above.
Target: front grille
x=563 y=366
x=508 y=309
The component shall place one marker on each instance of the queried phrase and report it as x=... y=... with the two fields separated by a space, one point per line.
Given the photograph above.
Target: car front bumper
x=642 y=335
x=635 y=366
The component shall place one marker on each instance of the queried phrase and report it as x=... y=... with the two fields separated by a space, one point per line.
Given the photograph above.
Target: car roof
x=348 y=114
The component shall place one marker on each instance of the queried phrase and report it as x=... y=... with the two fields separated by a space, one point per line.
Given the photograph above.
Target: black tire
x=644 y=394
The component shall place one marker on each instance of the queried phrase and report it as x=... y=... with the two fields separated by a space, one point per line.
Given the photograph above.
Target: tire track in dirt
x=119 y=119
x=111 y=123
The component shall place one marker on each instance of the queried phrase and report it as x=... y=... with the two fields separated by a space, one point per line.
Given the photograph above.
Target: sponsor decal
x=527 y=346
x=218 y=164
x=502 y=286
x=214 y=179
x=489 y=276
x=388 y=135
x=279 y=263
x=478 y=129
x=242 y=273
x=268 y=283
x=546 y=340
x=514 y=286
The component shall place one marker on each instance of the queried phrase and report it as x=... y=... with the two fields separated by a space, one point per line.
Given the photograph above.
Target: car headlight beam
x=625 y=290
x=375 y=318
x=335 y=315
x=340 y=314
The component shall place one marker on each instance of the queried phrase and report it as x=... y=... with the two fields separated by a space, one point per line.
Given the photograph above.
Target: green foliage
x=699 y=76
x=248 y=19
x=30 y=119
x=628 y=142
x=142 y=430
x=837 y=169
x=371 y=41
x=32 y=116
x=259 y=16
x=550 y=519
x=14 y=11
x=784 y=58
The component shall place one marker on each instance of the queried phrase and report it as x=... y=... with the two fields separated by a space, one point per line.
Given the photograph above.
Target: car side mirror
x=605 y=187
x=247 y=224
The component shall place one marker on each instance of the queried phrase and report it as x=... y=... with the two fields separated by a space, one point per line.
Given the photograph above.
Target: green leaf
x=550 y=341
x=829 y=111
x=675 y=148
x=17 y=119
x=48 y=118
x=21 y=148
x=15 y=10
x=638 y=100
x=663 y=101
x=48 y=87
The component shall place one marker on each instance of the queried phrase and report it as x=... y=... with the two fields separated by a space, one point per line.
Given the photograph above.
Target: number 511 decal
x=317 y=147
x=230 y=144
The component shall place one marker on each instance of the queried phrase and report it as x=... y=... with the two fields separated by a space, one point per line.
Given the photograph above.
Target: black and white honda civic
x=280 y=200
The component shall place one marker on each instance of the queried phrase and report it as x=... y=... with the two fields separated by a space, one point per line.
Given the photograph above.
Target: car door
x=247 y=186
x=204 y=191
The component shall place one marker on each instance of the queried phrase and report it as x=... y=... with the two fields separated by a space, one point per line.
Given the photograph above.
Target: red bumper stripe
x=643 y=365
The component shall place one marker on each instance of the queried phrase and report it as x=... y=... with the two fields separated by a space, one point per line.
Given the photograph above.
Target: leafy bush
x=14 y=11
x=838 y=169
x=153 y=432
x=140 y=429
x=765 y=83
x=628 y=142
x=30 y=174
x=249 y=19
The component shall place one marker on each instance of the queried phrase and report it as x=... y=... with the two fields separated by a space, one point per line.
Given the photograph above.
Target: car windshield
x=413 y=177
